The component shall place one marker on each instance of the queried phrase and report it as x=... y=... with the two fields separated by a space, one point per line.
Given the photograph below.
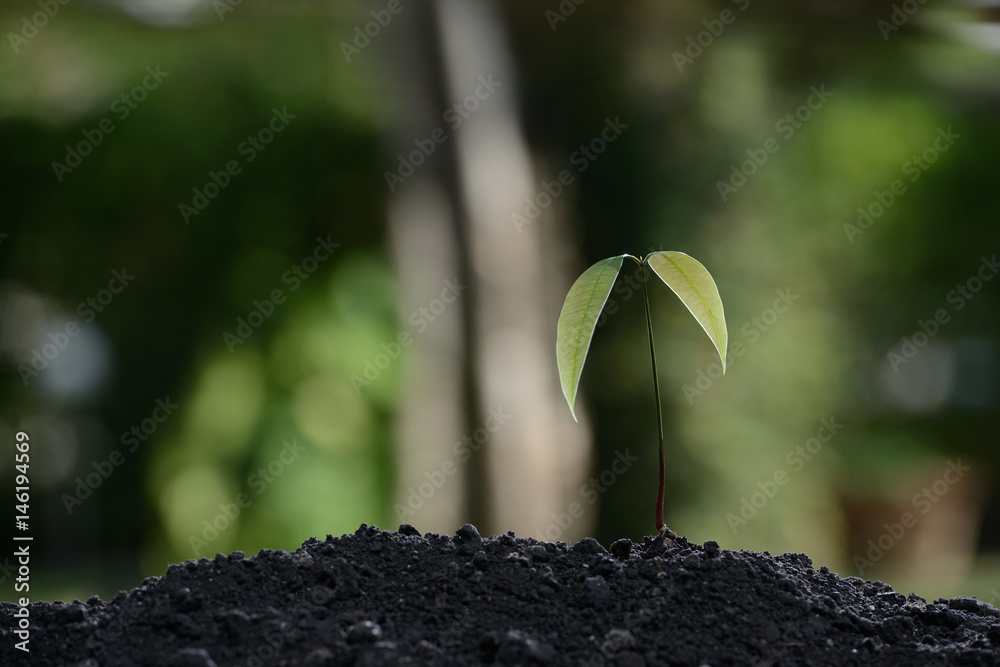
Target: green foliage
x=578 y=320
x=693 y=285
x=683 y=274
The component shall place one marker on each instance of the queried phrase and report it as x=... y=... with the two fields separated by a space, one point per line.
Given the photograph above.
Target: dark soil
x=382 y=598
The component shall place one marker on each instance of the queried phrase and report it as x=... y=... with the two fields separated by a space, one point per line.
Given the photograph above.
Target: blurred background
x=272 y=270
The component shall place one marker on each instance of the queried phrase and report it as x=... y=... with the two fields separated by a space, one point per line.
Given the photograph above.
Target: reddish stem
x=661 y=527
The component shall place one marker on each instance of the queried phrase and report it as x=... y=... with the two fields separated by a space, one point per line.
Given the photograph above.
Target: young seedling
x=683 y=274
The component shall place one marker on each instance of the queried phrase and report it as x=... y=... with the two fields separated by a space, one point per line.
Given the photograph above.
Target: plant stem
x=661 y=527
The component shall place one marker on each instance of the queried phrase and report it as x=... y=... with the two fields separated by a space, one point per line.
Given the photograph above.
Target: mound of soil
x=384 y=598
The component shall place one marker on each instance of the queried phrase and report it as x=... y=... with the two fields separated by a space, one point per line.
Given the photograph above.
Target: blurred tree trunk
x=494 y=357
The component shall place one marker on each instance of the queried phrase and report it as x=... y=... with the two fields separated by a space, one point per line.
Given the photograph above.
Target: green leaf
x=578 y=319
x=693 y=284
